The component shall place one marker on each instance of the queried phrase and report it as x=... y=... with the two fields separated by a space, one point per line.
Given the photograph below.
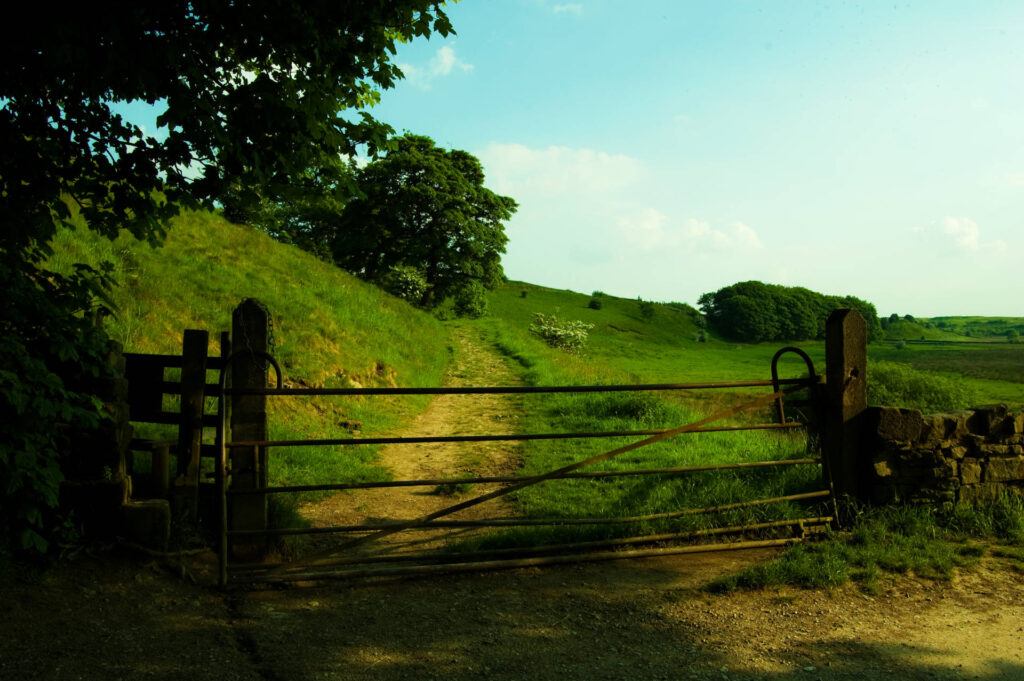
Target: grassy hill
x=330 y=328
x=980 y=327
x=623 y=345
x=956 y=329
x=903 y=329
x=664 y=346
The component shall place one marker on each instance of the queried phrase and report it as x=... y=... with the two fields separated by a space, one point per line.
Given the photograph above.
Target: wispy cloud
x=648 y=229
x=443 y=63
x=964 y=231
x=574 y=8
x=558 y=172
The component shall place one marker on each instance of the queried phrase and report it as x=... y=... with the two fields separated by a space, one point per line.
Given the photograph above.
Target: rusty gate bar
x=499 y=438
x=478 y=566
x=467 y=556
x=512 y=478
x=514 y=390
x=531 y=522
x=526 y=482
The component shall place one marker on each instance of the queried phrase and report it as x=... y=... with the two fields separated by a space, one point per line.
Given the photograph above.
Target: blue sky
x=666 y=149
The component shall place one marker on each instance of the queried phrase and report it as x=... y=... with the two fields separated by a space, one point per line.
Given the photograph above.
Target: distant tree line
x=753 y=312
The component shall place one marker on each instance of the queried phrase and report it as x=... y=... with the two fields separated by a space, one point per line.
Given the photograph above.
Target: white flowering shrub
x=568 y=335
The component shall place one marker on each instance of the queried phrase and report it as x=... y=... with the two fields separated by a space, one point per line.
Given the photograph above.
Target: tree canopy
x=753 y=311
x=425 y=209
x=253 y=95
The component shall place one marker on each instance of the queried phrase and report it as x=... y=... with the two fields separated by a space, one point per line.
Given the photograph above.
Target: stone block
x=944 y=470
x=939 y=428
x=954 y=452
x=988 y=419
x=973 y=443
x=1004 y=470
x=996 y=450
x=147 y=522
x=901 y=425
x=884 y=468
x=970 y=472
x=984 y=493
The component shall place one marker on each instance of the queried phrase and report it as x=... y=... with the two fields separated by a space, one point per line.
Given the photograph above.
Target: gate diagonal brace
x=320 y=558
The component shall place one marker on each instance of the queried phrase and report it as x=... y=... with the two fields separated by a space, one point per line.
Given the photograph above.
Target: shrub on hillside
x=899 y=385
x=471 y=301
x=568 y=335
x=646 y=309
x=595 y=304
x=405 y=282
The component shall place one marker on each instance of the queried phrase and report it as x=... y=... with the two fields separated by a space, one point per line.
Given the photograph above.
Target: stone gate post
x=846 y=399
x=250 y=333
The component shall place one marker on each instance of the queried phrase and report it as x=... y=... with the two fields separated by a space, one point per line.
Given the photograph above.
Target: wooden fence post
x=846 y=399
x=195 y=345
x=250 y=333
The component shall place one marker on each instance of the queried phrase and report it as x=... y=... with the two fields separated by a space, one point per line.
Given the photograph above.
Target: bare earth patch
x=116 y=615
x=474 y=365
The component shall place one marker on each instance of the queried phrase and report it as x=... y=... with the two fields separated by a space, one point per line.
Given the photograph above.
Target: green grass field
x=330 y=329
x=624 y=346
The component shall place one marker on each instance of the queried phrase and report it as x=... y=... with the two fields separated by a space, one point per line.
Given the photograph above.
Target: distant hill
x=952 y=329
x=919 y=329
x=979 y=327
x=615 y=320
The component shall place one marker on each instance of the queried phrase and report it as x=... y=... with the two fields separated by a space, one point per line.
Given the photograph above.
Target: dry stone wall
x=970 y=456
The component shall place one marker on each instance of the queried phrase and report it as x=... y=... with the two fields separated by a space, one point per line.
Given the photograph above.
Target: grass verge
x=619 y=497
x=894 y=540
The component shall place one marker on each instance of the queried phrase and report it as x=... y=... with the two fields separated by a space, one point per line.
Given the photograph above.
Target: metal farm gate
x=350 y=559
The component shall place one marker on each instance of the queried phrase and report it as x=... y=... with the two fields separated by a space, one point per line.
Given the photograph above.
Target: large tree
x=253 y=94
x=425 y=209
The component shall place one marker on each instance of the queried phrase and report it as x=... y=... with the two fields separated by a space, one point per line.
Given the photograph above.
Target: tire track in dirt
x=475 y=363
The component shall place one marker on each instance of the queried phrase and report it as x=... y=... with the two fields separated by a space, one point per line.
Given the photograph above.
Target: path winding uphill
x=475 y=363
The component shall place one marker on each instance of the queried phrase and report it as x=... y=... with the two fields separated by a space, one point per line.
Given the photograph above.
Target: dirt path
x=474 y=364
x=116 y=615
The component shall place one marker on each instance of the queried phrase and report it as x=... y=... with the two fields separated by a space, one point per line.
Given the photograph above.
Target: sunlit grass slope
x=664 y=347
x=627 y=346
x=904 y=329
x=329 y=328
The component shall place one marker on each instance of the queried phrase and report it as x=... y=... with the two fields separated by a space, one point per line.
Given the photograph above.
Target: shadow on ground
x=116 y=618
